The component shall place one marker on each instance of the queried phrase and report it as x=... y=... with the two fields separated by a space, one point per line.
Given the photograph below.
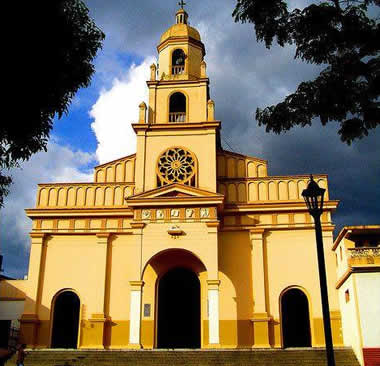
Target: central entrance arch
x=179 y=322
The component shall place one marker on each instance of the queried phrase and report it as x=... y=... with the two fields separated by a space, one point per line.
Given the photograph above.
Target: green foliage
x=337 y=33
x=58 y=42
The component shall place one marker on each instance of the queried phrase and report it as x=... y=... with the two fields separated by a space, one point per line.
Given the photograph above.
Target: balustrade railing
x=363 y=256
x=178 y=70
x=177 y=117
x=83 y=195
x=267 y=188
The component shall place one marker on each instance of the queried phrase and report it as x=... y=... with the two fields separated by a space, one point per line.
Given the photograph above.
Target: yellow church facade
x=181 y=245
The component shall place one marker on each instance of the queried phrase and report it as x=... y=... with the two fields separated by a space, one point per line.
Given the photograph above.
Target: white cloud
x=116 y=109
x=58 y=164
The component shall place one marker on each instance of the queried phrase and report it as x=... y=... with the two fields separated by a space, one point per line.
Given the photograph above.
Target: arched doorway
x=178 y=323
x=65 y=320
x=295 y=319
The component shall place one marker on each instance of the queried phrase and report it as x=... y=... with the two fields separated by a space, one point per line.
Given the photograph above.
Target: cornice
x=82 y=233
x=137 y=225
x=170 y=83
x=4 y=298
x=288 y=227
x=354 y=270
x=103 y=235
x=175 y=201
x=257 y=231
x=272 y=177
x=78 y=212
x=95 y=184
x=175 y=126
x=212 y=224
x=269 y=206
x=38 y=235
x=136 y=285
x=328 y=228
x=176 y=40
x=156 y=192
x=159 y=197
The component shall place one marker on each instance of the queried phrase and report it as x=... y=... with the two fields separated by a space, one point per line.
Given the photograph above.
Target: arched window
x=178 y=62
x=176 y=165
x=177 y=108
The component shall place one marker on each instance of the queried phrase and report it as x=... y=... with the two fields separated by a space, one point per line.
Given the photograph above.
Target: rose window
x=176 y=165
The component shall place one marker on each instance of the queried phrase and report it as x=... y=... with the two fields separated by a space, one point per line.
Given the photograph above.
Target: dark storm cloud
x=245 y=75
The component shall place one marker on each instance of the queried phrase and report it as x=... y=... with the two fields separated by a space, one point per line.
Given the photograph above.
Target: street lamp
x=313 y=196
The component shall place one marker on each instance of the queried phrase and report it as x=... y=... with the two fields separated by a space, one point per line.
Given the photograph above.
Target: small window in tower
x=347 y=295
x=178 y=62
x=177 y=108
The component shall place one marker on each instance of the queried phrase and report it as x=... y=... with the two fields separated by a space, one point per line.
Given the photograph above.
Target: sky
x=243 y=75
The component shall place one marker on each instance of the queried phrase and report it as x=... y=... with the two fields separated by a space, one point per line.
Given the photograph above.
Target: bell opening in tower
x=178 y=62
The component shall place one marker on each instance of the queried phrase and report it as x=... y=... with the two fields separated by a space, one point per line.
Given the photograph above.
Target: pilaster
x=260 y=320
x=95 y=334
x=30 y=320
x=140 y=159
x=135 y=315
x=213 y=313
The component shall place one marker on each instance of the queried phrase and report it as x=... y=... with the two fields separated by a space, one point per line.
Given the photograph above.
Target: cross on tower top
x=182 y=4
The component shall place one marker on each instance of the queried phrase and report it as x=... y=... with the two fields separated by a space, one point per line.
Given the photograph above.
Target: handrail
x=363 y=256
x=364 y=252
x=177 y=117
x=178 y=70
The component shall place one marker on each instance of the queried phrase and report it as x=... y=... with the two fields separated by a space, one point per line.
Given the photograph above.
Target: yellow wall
x=201 y=143
x=192 y=63
x=196 y=101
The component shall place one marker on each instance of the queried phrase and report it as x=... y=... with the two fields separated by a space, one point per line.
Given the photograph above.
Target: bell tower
x=176 y=133
x=181 y=65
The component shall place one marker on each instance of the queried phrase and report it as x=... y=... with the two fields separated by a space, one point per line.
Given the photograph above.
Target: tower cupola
x=178 y=84
x=181 y=16
x=180 y=50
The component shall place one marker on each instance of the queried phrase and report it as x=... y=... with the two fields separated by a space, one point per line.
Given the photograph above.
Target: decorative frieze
x=176 y=214
x=205 y=213
x=63 y=226
x=146 y=214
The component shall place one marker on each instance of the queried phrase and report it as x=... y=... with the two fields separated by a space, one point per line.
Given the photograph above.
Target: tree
x=57 y=44
x=340 y=34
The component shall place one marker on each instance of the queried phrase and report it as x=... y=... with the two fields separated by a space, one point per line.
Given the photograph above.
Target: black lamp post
x=313 y=196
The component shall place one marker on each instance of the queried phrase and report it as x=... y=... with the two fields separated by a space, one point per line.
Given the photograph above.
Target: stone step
x=288 y=357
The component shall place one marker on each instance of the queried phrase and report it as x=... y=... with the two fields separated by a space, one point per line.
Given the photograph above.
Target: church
x=181 y=245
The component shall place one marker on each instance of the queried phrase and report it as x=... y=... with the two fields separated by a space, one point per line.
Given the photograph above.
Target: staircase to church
x=289 y=357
